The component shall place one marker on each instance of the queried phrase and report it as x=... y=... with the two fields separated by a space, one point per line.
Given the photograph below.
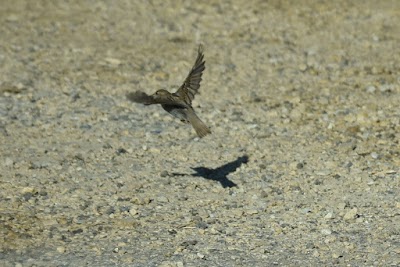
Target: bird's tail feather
x=199 y=126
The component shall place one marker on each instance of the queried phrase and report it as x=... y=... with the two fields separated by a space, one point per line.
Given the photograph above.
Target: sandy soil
x=302 y=168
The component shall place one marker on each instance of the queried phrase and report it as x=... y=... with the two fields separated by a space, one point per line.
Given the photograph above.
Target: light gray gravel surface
x=302 y=168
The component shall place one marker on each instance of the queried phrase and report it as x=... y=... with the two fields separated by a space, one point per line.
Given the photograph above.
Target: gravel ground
x=302 y=168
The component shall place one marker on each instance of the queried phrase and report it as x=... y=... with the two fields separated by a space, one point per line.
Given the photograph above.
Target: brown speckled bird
x=179 y=104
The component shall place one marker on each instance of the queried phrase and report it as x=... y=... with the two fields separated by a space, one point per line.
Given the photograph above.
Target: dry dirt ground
x=302 y=168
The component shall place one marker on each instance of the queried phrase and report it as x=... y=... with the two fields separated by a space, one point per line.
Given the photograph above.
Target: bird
x=179 y=103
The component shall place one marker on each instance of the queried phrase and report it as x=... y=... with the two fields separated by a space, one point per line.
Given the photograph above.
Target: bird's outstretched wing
x=141 y=97
x=191 y=84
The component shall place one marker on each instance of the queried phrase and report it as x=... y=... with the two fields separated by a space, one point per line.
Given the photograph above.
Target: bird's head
x=161 y=93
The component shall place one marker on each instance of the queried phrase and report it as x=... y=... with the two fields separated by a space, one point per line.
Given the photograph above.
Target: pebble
x=40 y=164
x=336 y=255
x=342 y=206
x=329 y=215
x=370 y=89
x=112 y=61
x=162 y=199
x=374 y=155
x=302 y=67
x=164 y=173
x=61 y=249
x=386 y=87
x=252 y=211
x=306 y=210
x=323 y=172
x=12 y=18
x=351 y=214
x=200 y=255
x=8 y=162
x=133 y=211
x=167 y=264
x=326 y=232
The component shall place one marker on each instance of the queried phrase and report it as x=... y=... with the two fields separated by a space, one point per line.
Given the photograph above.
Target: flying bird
x=179 y=104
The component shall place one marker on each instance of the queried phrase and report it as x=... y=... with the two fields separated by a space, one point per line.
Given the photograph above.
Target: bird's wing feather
x=191 y=84
x=141 y=97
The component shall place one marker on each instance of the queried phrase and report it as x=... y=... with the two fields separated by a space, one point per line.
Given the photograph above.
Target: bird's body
x=179 y=104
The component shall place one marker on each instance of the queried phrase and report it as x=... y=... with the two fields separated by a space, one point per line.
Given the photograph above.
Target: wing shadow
x=220 y=174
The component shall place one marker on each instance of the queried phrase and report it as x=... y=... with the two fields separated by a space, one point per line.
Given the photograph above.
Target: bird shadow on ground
x=219 y=174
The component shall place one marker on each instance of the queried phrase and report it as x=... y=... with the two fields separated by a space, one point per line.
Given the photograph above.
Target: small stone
x=351 y=214
x=329 y=215
x=263 y=194
x=8 y=162
x=166 y=264
x=299 y=165
x=342 y=206
x=302 y=67
x=27 y=196
x=359 y=220
x=27 y=190
x=39 y=164
x=189 y=243
x=323 y=172
x=374 y=155
x=252 y=211
x=133 y=212
x=61 y=249
x=164 y=174
x=112 y=61
x=202 y=225
x=262 y=166
x=386 y=88
x=163 y=199
x=336 y=255
x=121 y=244
x=201 y=256
x=306 y=210
x=252 y=126
x=121 y=150
x=370 y=89
x=326 y=231
x=12 y=18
